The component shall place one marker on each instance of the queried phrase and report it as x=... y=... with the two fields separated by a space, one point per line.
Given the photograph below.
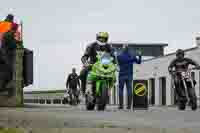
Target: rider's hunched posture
x=90 y=54
x=181 y=64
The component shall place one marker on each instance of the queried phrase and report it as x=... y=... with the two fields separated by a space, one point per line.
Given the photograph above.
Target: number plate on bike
x=185 y=75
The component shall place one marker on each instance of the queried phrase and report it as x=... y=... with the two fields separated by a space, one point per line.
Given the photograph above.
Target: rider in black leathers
x=90 y=54
x=181 y=64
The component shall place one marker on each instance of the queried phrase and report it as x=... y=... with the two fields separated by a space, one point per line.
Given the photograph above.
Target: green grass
x=11 y=130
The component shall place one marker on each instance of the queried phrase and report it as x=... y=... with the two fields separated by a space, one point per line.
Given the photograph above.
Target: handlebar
x=87 y=65
x=194 y=68
x=188 y=70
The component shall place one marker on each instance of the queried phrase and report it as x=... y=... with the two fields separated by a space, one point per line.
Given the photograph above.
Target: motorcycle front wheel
x=194 y=105
x=103 y=98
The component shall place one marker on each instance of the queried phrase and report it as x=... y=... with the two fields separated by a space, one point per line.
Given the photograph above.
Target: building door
x=114 y=95
x=163 y=90
x=152 y=91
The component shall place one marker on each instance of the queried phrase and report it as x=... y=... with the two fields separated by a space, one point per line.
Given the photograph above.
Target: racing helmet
x=102 y=38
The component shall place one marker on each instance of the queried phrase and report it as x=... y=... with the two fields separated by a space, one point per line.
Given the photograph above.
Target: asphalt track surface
x=65 y=116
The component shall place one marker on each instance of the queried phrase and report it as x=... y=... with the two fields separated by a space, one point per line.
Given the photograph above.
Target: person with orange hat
x=6 y=25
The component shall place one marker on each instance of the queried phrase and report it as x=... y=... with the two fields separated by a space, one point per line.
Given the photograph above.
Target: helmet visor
x=102 y=39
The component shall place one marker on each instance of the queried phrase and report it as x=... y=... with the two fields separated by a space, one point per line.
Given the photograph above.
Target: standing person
x=9 y=45
x=73 y=82
x=7 y=52
x=126 y=61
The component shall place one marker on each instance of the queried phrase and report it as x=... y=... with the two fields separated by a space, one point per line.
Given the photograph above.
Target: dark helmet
x=10 y=17
x=73 y=69
x=180 y=52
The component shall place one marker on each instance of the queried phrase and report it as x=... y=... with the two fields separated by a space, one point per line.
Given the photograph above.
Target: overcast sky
x=59 y=30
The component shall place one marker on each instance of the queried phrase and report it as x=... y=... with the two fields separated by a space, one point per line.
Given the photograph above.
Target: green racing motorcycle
x=102 y=76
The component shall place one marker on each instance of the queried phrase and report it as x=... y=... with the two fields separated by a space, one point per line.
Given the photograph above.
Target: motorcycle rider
x=73 y=83
x=90 y=54
x=181 y=64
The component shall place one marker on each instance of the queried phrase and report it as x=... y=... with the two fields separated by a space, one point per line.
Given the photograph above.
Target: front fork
x=99 y=84
x=186 y=87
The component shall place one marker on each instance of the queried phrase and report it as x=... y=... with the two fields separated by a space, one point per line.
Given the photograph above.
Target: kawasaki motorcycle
x=188 y=88
x=102 y=76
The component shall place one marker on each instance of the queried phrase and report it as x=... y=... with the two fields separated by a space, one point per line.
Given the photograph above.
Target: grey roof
x=186 y=50
x=139 y=44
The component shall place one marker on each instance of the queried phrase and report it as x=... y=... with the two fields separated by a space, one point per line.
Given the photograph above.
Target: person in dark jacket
x=126 y=61
x=73 y=82
x=7 y=53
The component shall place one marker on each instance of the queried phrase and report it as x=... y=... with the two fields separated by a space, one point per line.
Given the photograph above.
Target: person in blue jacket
x=125 y=62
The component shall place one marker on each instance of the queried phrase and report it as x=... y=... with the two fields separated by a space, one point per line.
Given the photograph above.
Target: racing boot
x=89 y=96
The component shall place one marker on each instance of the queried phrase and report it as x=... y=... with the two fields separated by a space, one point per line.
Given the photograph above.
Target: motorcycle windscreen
x=106 y=59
